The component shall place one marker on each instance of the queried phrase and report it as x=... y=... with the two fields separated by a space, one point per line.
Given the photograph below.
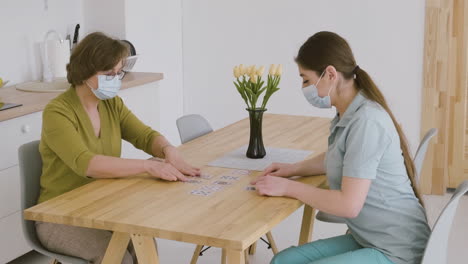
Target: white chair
x=436 y=249
x=192 y=126
x=418 y=163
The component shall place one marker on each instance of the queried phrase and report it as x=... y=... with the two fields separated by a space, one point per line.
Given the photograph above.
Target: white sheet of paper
x=237 y=160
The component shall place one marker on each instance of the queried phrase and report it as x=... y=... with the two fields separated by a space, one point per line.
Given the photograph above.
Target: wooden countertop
x=35 y=102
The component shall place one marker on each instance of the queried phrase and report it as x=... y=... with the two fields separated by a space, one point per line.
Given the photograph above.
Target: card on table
x=250 y=188
x=206 y=176
x=201 y=192
x=194 y=181
x=222 y=183
x=229 y=178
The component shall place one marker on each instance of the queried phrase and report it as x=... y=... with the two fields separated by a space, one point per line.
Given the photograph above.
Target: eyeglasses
x=119 y=75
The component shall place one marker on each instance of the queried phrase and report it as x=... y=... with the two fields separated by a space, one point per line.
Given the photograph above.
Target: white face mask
x=107 y=89
x=311 y=94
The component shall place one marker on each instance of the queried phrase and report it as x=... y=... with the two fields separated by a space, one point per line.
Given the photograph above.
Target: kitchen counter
x=35 y=102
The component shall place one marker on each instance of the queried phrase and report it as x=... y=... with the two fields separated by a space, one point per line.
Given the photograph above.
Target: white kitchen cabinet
x=13 y=133
x=9 y=195
x=12 y=242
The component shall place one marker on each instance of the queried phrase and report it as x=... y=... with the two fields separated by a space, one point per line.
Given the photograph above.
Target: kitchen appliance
x=56 y=55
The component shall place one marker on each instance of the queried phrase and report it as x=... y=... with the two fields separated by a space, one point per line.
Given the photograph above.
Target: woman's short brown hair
x=96 y=52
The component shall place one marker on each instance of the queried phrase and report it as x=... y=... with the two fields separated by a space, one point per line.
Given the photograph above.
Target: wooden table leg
x=246 y=256
x=196 y=253
x=253 y=248
x=145 y=248
x=235 y=256
x=272 y=243
x=116 y=248
x=307 y=225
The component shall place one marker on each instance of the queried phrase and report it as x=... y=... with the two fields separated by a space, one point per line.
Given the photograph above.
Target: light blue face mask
x=107 y=89
x=311 y=94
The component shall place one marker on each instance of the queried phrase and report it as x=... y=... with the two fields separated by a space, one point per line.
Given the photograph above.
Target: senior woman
x=81 y=141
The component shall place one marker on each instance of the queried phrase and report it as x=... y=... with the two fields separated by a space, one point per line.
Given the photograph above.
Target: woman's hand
x=278 y=170
x=173 y=157
x=163 y=170
x=273 y=186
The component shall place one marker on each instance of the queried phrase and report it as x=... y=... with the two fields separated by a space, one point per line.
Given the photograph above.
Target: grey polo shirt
x=364 y=144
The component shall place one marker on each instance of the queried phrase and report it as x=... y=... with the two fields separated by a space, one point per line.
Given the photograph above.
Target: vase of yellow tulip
x=250 y=86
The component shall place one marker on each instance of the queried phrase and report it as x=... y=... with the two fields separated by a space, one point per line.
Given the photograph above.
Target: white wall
x=155 y=28
x=386 y=37
x=107 y=16
x=23 y=25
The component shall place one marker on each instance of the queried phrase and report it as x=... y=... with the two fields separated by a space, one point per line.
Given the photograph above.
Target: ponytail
x=369 y=89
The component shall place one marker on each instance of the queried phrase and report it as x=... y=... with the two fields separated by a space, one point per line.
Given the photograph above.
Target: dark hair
x=328 y=48
x=96 y=52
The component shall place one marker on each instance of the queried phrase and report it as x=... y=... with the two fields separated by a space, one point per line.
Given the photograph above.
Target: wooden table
x=141 y=208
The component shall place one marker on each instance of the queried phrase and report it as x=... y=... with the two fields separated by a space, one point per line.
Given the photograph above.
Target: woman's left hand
x=272 y=186
x=173 y=157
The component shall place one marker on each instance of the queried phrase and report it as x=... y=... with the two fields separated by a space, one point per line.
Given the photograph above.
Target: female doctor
x=368 y=166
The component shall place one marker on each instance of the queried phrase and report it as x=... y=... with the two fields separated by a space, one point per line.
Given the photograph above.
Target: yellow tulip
x=272 y=70
x=260 y=70
x=236 y=72
x=241 y=69
x=254 y=78
x=279 y=70
x=251 y=70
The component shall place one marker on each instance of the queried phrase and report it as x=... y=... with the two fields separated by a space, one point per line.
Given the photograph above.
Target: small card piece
x=229 y=178
x=201 y=192
x=193 y=181
x=250 y=188
x=222 y=183
x=212 y=187
x=206 y=176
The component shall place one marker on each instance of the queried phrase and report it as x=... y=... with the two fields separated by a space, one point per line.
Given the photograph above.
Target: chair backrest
x=436 y=249
x=192 y=126
x=30 y=164
x=421 y=152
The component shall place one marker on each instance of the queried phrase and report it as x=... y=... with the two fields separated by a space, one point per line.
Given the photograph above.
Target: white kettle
x=56 y=55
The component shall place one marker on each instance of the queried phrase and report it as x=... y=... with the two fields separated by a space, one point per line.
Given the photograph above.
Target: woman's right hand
x=163 y=170
x=278 y=170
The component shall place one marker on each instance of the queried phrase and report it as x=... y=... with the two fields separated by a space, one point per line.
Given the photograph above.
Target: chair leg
x=223 y=256
x=272 y=243
x=196 y=253
x=253 y=248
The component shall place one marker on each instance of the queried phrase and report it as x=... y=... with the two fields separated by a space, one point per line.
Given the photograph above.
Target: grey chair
x=436 y=249
x=192 y=126
x=418 y=163
x=30 y=164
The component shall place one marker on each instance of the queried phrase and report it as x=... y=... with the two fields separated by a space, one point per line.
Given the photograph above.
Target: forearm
x=314 y=166
x=101 y=166
x=159 y=146
x=330 y=201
